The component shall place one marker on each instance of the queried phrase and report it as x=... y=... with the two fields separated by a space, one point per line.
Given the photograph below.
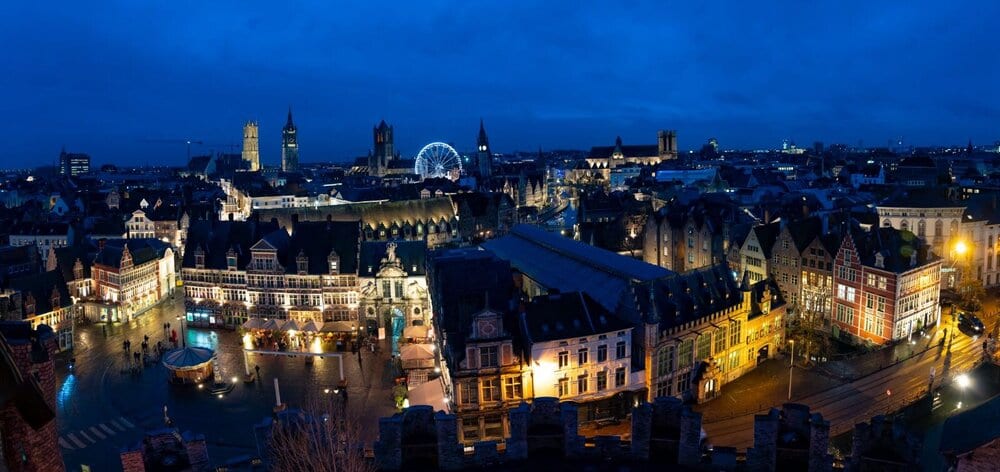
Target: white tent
x=415 y=332
x=271 y=324
x=428 y=393
x=417 y=356
x=310 y=326
x=253 y=323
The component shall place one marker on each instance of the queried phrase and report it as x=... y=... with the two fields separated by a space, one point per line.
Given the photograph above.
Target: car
x=970 y=324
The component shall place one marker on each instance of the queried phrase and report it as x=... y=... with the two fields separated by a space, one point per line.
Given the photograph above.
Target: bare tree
x=324 y=437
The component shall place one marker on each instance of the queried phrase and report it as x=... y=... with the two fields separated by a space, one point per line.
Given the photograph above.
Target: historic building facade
x=393 y=288
x=129 y=276
x=307 y=275
x=251 y=145
x=886 y=286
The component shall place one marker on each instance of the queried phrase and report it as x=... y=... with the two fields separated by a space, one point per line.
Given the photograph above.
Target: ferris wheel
x=438 y=160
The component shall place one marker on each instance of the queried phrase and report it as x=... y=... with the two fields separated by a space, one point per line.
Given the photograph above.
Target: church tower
x=378 y=161
x=251 y=149
x=484 y=158
x=289 y=146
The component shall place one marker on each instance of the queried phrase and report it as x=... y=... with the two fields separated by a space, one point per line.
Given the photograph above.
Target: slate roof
x=66 y=258
x=412 y=256
x=40 y=286
x=567 y=315
x=690 y=296
x=315 y=239
x=460 y=282
x=560 y=263
x=216 y=238
x=804 y=231
x=933 y=197
x=766 y=235
x=142 y=249
x=896 y=247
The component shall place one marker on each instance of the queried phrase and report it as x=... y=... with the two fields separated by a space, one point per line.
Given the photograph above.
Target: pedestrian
x=125 y=345
x=146 y=338
x=257 y=369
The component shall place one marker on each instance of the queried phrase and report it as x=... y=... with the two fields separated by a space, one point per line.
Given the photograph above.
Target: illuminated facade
x=45 y=299
x=393 y=287
x=251 y=146
x=289 y=146
x=129 y=276
x=308 y=275
x=885 y=287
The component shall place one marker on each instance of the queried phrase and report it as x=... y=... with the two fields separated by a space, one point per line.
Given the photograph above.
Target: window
x=491 y=390
x=704 y=346
x=488 y=356
x=581 y=384
x=734 y=332
x=846 y=293
x=582 y=356
x=620 y=377
x=720 y=340
x=620 y=350
x=684 y=357
x=665 y=361
x=470 y=428
x=563 y=387
x=602 y=381
x=563 y=359
x=869 y=323
x=734 y=359
x=494 y=425
x=468 y=392
x=512 y=388
x=602 y=353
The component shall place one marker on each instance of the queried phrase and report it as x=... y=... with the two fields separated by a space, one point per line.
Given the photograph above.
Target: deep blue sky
x=102 y=77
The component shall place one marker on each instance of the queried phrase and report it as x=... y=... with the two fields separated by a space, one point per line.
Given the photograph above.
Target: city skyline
x=544 y=76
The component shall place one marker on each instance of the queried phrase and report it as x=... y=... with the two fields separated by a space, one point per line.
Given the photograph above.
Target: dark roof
x=460 y=282
x=567 y=315
x=21 y=387
x=411 y=254
x=690 y=296
x=216 y=238
x=41 y=287
x=66 y=258
x=967 y=430
x=804 y=231
x=142 y=250
x=896 y=247
x=921 y=198
x=315 y=240
x=766 y=235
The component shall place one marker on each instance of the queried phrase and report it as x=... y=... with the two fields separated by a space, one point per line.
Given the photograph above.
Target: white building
x=579 y=351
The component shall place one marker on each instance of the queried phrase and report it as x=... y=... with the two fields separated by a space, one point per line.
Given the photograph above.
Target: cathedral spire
x=289 y=124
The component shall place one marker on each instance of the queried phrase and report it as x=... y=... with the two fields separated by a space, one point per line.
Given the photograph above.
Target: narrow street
x=102 y=406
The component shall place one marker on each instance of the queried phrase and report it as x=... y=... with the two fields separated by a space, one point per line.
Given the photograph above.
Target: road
x=846 y=404
x=101 y=409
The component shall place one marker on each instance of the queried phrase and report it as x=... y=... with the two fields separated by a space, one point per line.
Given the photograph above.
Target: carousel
x=189 y=365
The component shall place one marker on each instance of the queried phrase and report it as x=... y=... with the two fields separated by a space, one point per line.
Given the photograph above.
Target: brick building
x=886 y=286
x=29 y=436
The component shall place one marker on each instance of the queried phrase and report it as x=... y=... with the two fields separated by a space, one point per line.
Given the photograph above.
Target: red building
x=29 y=438
x=886 y=285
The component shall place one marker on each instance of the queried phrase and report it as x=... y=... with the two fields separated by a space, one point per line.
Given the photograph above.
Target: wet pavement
x=103 y=406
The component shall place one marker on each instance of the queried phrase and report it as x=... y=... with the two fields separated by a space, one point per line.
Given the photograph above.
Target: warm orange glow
x=961 y=248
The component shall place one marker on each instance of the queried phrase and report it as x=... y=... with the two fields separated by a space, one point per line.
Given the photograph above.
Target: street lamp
x=963 y=382
x=791 y=364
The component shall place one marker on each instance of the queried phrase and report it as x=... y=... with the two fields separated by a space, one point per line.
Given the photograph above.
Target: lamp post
x=963 y=382
x=791 y=365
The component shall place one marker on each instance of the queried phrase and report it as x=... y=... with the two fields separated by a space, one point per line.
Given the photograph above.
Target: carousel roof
x=187 y=357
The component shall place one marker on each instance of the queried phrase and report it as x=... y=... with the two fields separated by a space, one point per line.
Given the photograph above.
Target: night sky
x=107 y=77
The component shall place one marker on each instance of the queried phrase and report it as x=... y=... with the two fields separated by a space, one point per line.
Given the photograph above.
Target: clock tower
x=289 y=145
x=484 y=158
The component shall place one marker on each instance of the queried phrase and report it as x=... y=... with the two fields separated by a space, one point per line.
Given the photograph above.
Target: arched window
x=904 y=225
x=938 y=228
x=921 y=228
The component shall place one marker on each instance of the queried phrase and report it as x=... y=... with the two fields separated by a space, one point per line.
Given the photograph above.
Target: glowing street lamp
x=963 y=382
x=961 y=248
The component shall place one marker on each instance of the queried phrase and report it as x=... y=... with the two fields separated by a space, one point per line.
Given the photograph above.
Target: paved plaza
x=103 y=406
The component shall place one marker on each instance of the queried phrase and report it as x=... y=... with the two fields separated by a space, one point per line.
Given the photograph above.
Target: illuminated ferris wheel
x=438 y=160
